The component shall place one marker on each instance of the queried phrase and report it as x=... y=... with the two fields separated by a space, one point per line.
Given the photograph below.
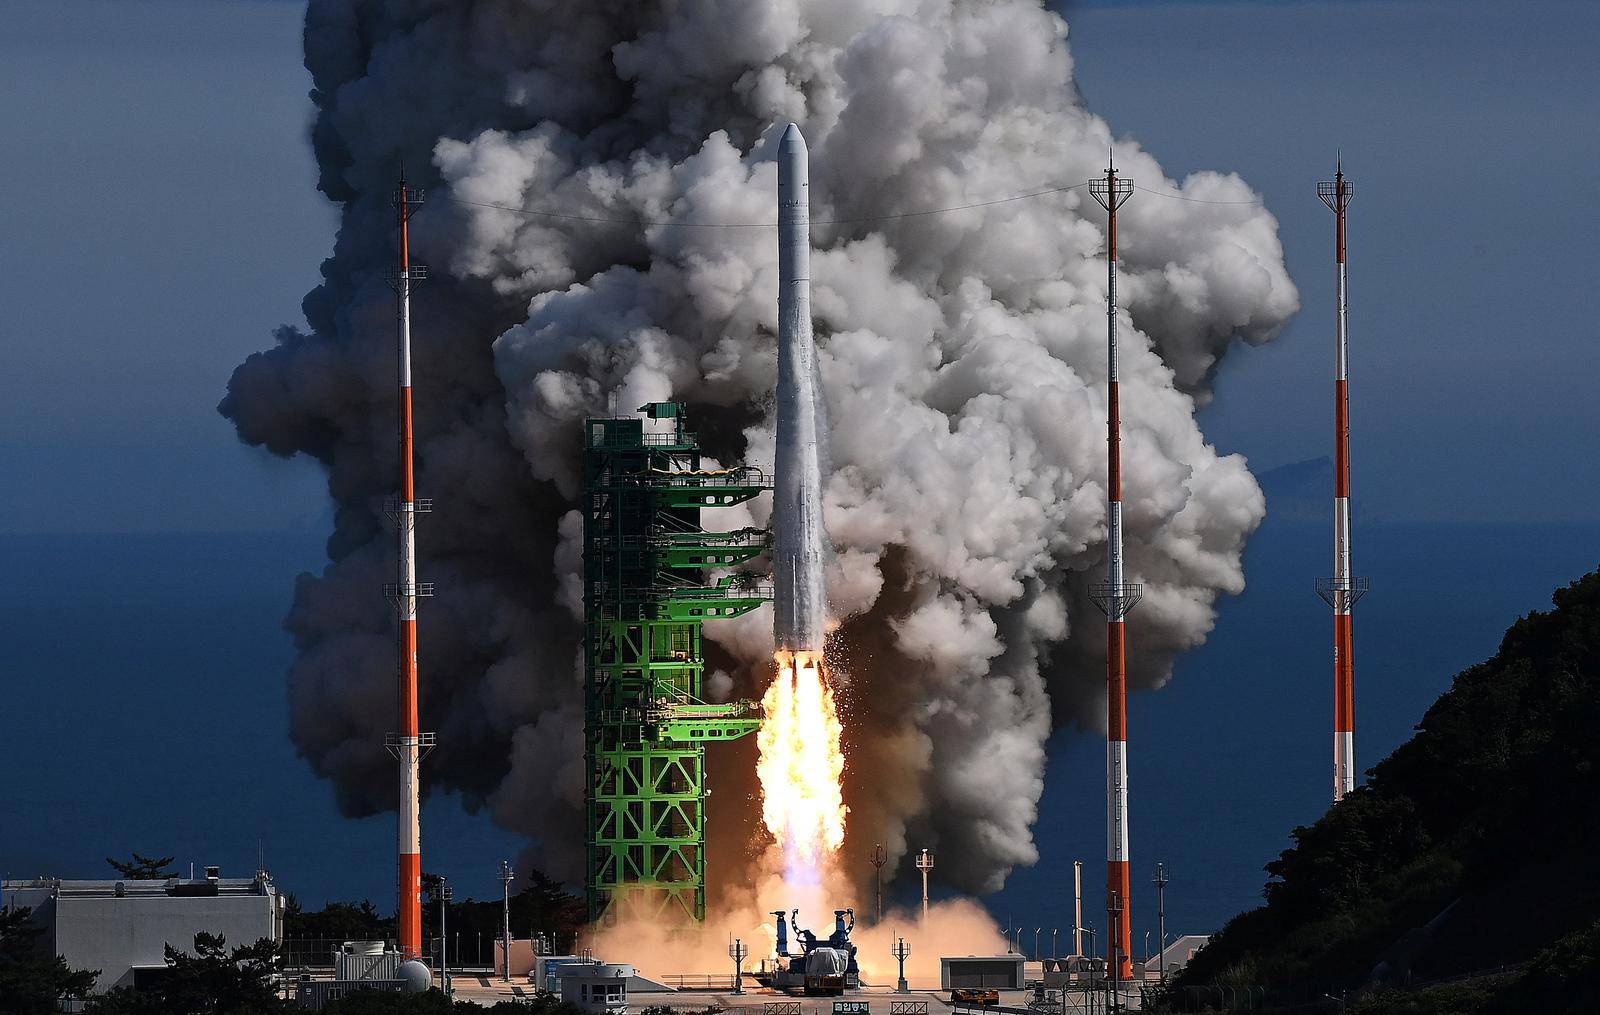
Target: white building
x=122 y=928
x=599 y=988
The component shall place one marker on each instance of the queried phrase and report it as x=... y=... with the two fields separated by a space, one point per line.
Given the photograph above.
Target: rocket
x=798 y=593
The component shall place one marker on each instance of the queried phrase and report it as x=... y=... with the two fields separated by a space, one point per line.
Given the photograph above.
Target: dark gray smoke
x=962 y=361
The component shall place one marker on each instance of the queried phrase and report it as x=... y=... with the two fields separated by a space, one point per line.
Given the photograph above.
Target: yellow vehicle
x=984 y=996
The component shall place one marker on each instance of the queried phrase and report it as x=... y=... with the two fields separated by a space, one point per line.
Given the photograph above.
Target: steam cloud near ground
x=962 y=358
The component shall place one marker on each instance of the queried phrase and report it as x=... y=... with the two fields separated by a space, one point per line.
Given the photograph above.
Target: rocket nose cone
x=793 y=141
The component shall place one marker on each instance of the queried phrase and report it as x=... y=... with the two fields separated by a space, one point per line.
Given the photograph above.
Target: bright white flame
x=801 y=766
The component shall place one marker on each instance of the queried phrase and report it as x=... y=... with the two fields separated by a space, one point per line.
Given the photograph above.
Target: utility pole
x=901 y=951
x=506 y=877
x=879 y=858
x=443 y=893
x=1115 y=596
x=1161 y=915
x=925 y=864
x=737 y=952
x=1036 y=932
x=1055 y=953
x=1341 y=592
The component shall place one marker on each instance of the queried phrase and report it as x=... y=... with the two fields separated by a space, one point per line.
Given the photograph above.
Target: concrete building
x=597 y=988
x=986 y=972
x=122 y=928
x=1178 y=953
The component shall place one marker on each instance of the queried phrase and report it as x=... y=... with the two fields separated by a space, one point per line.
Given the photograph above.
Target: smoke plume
x=602 y=185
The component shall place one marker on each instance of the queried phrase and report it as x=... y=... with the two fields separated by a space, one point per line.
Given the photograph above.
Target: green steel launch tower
x=646 y=593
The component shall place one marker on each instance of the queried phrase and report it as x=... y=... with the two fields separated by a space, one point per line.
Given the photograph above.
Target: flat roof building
x=122 y=927
x=987 y=972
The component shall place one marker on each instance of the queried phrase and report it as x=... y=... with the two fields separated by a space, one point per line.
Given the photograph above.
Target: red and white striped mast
x=409 y=745
x=1341 y=591
x=1117 y=598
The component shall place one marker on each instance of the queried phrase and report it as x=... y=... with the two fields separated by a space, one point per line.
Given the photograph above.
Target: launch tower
x=646 y=593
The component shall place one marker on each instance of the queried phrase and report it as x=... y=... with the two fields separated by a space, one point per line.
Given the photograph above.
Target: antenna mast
x=1115 y=597
x=410 y=744
x=1341 y=592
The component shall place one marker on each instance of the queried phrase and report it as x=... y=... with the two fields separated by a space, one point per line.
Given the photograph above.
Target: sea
x=144 y=710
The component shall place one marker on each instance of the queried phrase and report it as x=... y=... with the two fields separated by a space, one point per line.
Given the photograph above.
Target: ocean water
x=144 y=710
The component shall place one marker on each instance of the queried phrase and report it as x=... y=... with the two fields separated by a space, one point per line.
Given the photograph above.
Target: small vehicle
x=984 y=996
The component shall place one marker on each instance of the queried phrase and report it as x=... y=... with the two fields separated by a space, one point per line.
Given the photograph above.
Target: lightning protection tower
x=1341 y=591
x=925 y=865
x=1115 y=597
x=410 y=744
x=646 y=594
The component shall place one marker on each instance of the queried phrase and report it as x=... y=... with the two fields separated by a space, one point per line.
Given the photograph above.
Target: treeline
x=541 y=907
x=1469 y=849
x=243 y=979
x=210 y=979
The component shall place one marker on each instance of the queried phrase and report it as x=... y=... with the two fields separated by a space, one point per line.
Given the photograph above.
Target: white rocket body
x=799 y=595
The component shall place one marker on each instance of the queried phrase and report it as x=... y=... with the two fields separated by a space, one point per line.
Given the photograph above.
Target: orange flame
x=801 y=765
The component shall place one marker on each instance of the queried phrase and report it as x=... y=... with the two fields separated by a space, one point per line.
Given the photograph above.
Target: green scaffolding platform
x=646 y=593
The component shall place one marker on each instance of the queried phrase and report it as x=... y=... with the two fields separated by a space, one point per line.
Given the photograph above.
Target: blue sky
x=158 y=217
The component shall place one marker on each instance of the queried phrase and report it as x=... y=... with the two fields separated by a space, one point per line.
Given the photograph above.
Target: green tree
x=31 y=982
x=542 y=906
x=143 y=868
x=337 y=921
x=211 y=981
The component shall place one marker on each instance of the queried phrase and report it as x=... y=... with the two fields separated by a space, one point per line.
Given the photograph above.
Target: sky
x=158 y=218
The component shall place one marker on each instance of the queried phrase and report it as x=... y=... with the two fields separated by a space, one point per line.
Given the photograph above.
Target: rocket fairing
x=798 y=593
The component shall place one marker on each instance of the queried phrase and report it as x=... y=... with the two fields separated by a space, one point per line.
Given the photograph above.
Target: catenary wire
x=1192 y=200
x=850 y=220
x=532 y=213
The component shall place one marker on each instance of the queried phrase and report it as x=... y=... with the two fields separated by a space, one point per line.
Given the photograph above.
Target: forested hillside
x=1471 y=848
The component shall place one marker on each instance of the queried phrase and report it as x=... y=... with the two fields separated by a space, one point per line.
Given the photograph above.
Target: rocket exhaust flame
x=801 y=766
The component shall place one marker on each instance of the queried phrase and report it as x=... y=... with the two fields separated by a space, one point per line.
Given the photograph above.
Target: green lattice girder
x=686 y=723
x=697 y=550
x=694 y=488
x=645 y=595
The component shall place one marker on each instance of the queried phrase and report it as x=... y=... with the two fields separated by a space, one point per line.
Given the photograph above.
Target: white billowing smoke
x=962 y=358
